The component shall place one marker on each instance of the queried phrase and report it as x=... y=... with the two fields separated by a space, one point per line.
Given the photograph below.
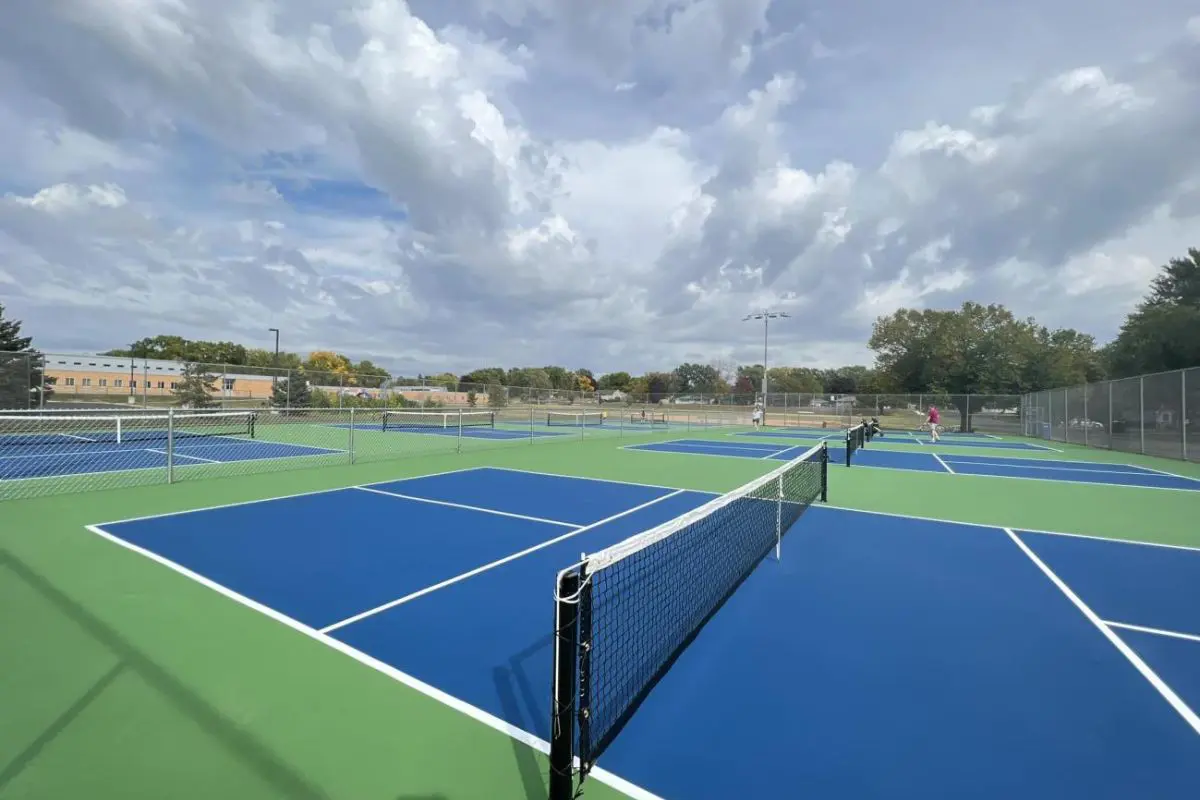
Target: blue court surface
x=882 y=656
x=43 y=461
x=991 y=466
x=818 y=434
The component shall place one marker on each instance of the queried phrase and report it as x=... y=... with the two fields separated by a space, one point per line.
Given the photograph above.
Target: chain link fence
x=57 y=451
x=1149 y=414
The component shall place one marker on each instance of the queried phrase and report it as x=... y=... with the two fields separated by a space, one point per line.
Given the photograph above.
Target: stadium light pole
x=766 y=315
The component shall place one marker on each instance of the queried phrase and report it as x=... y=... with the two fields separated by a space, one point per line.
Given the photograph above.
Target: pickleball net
x=625 y=614
x=425 y=420
x=72 y=431
x=856 y=438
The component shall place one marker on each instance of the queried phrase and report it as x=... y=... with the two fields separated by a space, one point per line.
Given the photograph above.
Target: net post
x=532 y=423
x=824 y=473
x=170 y=444
x=779 y=518
x=458 y=447
x=562 y=723
x=350 y=437
x=120 y=439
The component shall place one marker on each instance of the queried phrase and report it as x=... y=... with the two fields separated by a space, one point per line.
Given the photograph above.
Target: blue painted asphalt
x=83 y=459
x=882 y=656
x=995 y=466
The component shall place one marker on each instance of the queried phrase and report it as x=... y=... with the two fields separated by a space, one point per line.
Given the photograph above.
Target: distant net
x=648 y=418
x=21 y=430
x=575 y=418
x=624 y=615
x=425 y=420
x=856 y=438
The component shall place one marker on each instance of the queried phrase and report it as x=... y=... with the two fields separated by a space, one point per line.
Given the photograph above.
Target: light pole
x=766 y=315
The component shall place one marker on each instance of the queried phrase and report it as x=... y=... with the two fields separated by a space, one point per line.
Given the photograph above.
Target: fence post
x=170 y=445
x=1183 y=421
x=1086 y=419
x=1142 y=413
x=1110 y=420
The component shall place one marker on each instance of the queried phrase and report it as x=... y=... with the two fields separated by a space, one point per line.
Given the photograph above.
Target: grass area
x=129 y=680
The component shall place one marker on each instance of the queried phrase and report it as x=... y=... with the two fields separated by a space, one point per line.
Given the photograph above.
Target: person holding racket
x=935 y=419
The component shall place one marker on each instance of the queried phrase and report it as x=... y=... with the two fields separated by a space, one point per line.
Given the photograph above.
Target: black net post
x=824 y=473
x=566 y=645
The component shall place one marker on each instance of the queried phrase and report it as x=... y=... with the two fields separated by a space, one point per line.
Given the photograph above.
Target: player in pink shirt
x=935 y=419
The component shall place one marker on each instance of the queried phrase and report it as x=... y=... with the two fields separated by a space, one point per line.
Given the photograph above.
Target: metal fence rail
x=1149 y=414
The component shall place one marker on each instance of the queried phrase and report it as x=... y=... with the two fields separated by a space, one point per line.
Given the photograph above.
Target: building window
x=104 y=381
x=117 y=383
x=174 y=385
x=87 y=381
x=161 y=385
x=70 y=381
x=229 y=384
x=133 y=384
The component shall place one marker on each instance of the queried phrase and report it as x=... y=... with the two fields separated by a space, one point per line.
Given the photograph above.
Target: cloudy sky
x=448 y=185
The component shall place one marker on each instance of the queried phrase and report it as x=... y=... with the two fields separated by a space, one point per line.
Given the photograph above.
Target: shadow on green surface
x=241 y=744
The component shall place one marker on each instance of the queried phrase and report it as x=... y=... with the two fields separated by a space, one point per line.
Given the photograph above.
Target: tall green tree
x=482 y=377
x=698 y=379
x=615 y=381
x=195 y=387
x=659 y=385
x=977 y=352
x=1163 y=333
x=22 y=378
x=291 y=392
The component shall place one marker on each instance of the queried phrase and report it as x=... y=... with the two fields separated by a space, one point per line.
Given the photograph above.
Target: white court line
x=96 y=473
x=802 y=447
x=1162 y=472
x=184 y=455
x=499 y=562
x=278 y=497
x=1191 y=637
x=1106 y=539
x=468 y=710
x=945 y=466
x=693 y=453
x=1141 y=666
x=755 y=446
x=597 y=480
x=466 y=507
x=993 y=476
x=1032 y=463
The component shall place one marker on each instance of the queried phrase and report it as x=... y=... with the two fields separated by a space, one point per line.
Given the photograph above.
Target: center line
x=499 y=562
x=480 y=509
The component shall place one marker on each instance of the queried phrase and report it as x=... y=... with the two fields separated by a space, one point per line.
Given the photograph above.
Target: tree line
x=975 y=350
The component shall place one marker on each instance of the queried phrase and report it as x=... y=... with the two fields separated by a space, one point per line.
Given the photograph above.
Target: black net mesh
x=644 y=599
